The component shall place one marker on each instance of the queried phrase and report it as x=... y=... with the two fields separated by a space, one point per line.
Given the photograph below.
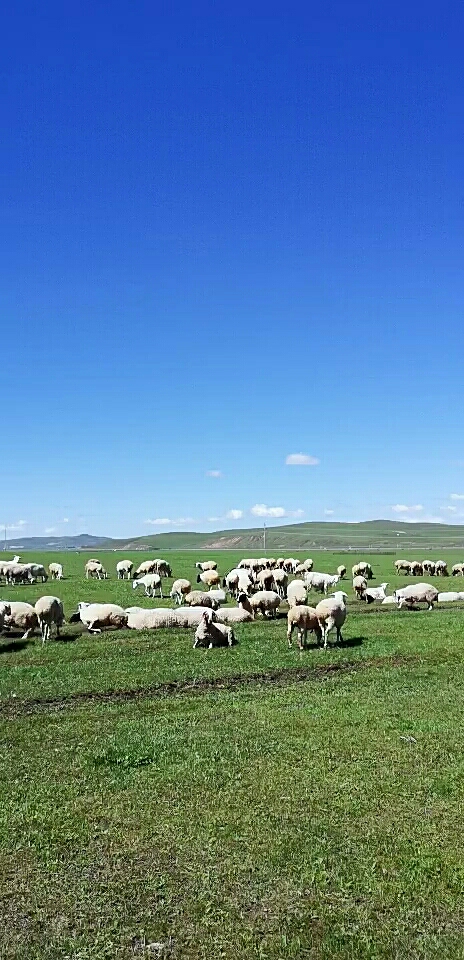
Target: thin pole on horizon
x=264 y=537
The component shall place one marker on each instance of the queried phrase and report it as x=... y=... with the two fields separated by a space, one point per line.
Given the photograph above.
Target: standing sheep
x=304 y=619
x=296 y=593
x=359 y=586
x=56 y=571
x=280 y=582
x=266 y=601
x=49 y=611
x=124 y=569
x=331 y=613
x=416 y=593
x=210 y=578
x=23 y=616
x=441 y=569
x=179 y=589
x=362 y=569
x=151 y=582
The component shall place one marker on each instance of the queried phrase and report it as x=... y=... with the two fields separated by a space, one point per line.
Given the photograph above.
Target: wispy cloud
x=50 y=529
x=17 y=526
x=216 y=474
x=182 y=521
x=262 y=510
x=329 y=513
x=159 y=522
x=301 y=460
x=456 y=496
x=234 y=514
x=448 y=507
x=404 y=508
x=65 y=520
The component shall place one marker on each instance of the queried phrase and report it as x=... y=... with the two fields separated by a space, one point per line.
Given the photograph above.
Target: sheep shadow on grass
x=345 y=644
x=11 y=646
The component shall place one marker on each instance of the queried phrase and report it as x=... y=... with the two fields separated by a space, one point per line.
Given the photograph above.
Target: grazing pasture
x=160 y=801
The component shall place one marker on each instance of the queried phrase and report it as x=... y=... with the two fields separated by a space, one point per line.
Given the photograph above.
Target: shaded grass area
x=312 y=821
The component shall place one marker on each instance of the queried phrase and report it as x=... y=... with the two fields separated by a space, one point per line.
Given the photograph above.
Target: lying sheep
x=331 y=613
x=95 y=616
x=266 y=601
x=209 y=634
x=243 y=613
x=451 y=596
x=56 y=571
x=390 y=600
x=296 y=593
x=23 y=616
x=49 y=612
x=199 y=598
x=416 y=593
x=190 y=616
x=154 y=619
x=373 y=594
x=218 y=595
x=359 y=586
x=124 y=569
x=304 y=619
x=151 y=582
x=179 y=589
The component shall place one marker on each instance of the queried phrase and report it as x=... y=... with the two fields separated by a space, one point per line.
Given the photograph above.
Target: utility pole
x=264 y=537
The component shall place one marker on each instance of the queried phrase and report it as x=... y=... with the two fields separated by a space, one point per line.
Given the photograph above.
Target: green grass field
x=255 y=802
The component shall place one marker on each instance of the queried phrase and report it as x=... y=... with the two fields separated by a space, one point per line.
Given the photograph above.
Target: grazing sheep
x=415 y=568
x=154 y=619
x=179 y=589
x=428 y=566
x=163 y=568
x=37 y=571
x=457 y=570
x=441 y=569
x=151 y=582
x=218 y=595
x=320 y=581
x=95 y=616
x=49 y=611
x=416 y=593
x=198 y=598
x=359 y=586
x=56 y=571
x=265 y=579
x=341 y=571
x=290 y=564
x=206 y=565
x=266 y=601
x=304 y=619
x=147 y=566
x=375 y=593
x=210 y=578
x=243 y=613
x=209 y=634
x=124 y=569
x=94 y=568
x=403 y=566
x=300 y=570
x=23 y=616
x=17 y=573
x=280 y=582
x=451 y=596
x=331 y=613
x=238 y=581
x=362 y=569
x=296 y=593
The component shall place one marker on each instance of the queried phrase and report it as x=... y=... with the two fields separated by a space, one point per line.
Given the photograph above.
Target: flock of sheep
x=258 y=586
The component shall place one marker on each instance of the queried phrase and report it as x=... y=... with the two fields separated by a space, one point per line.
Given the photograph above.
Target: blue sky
x=227 y=239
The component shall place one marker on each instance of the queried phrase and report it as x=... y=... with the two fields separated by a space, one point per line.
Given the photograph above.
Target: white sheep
x=242 y=613
x=359 y=586
x=375 y=593
x=265 y=579
x=280 y=582
x=416 y=593
x=206 y=565
x=94 y=568
x=179 y=589
x=56 y=571
x=451 y=596
x=124 y=569
x=320 y=581
x=389 y=600
x=341 y=571
x=5 y=611
x=441 y=569
x=331 y=613
x=200 y=598
x=191 y=616
x=95 y=616
x=362 y=569
x=210 y=634
x=151 y=582
x=219 y=595
x=154 y=619
x=305 y=620
x=210 y=578
x=23 y=616
x=457 y=570
x=238 y=581
x=265 y=601
x=147 y=566
x=49 y=611
x=296 y=593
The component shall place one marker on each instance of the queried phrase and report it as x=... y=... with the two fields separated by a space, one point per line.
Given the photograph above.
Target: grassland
x=255 y=802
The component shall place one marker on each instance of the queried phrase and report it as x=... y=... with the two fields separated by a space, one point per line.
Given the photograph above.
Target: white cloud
x=217 y=474
x=295 y=513
x=456 y=496
x=403 y=508
x=451 y=509
x=159 y=522
x=301 y=460
x=329 y=513
x=234 y=514
x=261 y=510
x=181 y=521
x=16 y=526
x=213 y=519
x=65 y=520
x=50 y=530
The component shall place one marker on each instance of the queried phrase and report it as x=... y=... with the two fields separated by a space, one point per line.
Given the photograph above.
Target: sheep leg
x=92 y=629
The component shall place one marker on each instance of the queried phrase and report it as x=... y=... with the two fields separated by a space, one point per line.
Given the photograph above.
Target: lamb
x=94 y=568
x=198 y=598
x=23 y=616
x=206 y=565
x=331 y=613
x=457 y=570
x=375 y=593
x=280 y=582
x=359 y=586
x=124 y=569
x=209 y=634
x=210 y=578
x=56 y=571
x=341 y=571
x=416 y=593
x=296 y=593
x=362 y=569
x=151 y=582
x=179 y=589
x=49 y=611
x=95 y=616
x=304 y=619
x=266 y=601
x=451 y=596
x=243 y=613
x=154 y=619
